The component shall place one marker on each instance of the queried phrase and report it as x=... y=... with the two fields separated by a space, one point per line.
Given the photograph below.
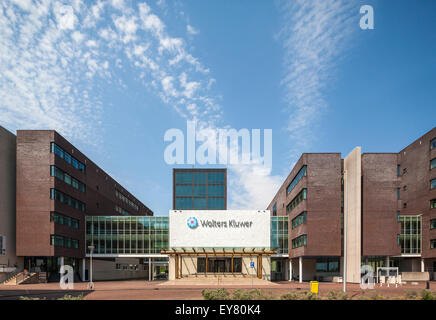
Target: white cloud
x=315 y=35
x=64 y=16
x=191 y=30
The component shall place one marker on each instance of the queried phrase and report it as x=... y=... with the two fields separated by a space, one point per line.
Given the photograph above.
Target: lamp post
x=91 y=284
x=344 y=276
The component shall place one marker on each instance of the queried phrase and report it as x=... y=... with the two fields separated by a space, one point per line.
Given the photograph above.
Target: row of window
x=199 y=203
x=297 y=178
x=122 y=211
x=299 y=241
x=214 y=190
x=61 y=153
x=65 y=177
x=123 y=198
x=327 y=265
x=127 y=267
x=296 y=201
x=65 y=242
x=64 y=220
x=300 y=219
x=200 y=177
x=66 y=199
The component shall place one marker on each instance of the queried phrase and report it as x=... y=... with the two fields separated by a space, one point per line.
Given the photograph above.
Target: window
x=122 y=211
x=405 y=205
x=126 y=200
x=61 y=153
x=64 y=220
x=433 y=224
x=398 y=193
x=405 y=188
x=296 y=201
x=433 y=204
x=66 y=199
x=410 y=237
x=61 y=175
x=398 y=170
x=433 y=244
x=327 y=265
x=298 y=220
x=433 y=184
x=398 y=216
x=60 y=241
x=297 y=178
x=2 y=245
x=433 y=163
x=404 y=170
x=433 y=143
x=274 y=213
x=299 y=241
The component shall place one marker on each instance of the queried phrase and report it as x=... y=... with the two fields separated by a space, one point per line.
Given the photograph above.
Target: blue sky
x=112 y=76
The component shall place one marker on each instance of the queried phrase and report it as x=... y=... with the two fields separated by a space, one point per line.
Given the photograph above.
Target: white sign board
x=219 y=229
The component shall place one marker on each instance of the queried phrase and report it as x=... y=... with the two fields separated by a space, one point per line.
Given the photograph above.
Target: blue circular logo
x=192 y=222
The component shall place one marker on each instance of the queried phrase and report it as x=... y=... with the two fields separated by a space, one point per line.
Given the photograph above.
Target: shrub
x=70 y=297
x=426 y=295
x=291 y=296
x=219 y=294
x=250 y=295
x=31 y=298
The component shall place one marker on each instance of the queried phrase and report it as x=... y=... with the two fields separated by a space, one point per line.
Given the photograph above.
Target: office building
x=389 y=203
x=199 y=189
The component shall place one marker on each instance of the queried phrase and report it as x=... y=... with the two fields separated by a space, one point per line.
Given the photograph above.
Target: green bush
x=255 y=294
x=427 y=295
x=292 y=296
x=70 y=297
x=31 y=298
x=219 y=294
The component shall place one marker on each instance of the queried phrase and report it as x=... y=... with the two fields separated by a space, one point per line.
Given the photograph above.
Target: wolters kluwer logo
x=192 y=222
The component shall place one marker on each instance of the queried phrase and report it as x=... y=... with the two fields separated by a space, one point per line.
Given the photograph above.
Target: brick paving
x=162 y=290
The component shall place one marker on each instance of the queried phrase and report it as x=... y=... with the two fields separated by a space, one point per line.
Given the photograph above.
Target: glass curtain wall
x=127 y=235
x=410 y=237
x=280 y=234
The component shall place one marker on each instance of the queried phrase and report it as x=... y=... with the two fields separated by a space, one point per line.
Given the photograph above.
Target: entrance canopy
x=219 y=251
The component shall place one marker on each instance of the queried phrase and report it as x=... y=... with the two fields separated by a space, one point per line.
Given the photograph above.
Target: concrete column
x=422 y=265
x=300 y=269
x=290 y=269
x=83 y=269
x=62 y=261
x=149 y=270
x=387 y=261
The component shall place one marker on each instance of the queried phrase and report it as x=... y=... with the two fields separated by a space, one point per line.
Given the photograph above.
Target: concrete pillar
x=290 y=269
x=149 y=270
x=62 y=262
x=422 y=265
x=387 y=261
x=300 y=269
x=83 y=269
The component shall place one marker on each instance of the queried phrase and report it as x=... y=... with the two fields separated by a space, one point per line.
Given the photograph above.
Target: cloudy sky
x=113 y=76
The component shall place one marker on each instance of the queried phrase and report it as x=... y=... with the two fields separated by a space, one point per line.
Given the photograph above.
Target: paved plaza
x=182 y=290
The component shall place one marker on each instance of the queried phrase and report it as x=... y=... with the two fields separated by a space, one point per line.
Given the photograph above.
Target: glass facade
x=149 y=235
x=127 y=235
x=327 y=265
x=297 y=179
x=410 y=237
x=199 y=189
x=280 y=234
x=65 y=242
x=296 y=201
